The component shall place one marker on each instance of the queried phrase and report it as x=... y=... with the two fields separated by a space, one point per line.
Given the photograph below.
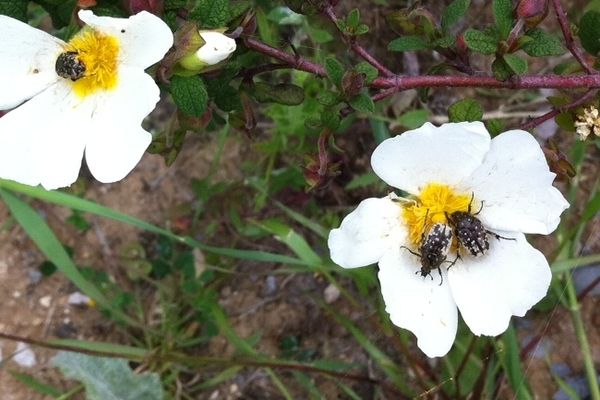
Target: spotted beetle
x=69 y=66
x=433 y=250
x=470 y=232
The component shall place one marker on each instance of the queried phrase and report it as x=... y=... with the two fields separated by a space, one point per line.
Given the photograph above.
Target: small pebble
x=24 y=356
x=45 y=301
x=331 y=293
x=79 y=299
x=16 y=294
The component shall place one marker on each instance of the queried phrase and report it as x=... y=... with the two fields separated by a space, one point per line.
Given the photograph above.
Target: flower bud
x=532 y=11
x=214 y=47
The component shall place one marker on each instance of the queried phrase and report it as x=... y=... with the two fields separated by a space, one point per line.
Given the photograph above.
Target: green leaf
x=589 y=32
x=480 y=42
x=284 y=93
x=189 y=94
x=335 y=70
x=465 y=110
x=367 y=69
x=60 y=12
x=211 y=13
x=501 y=70
x=14 y=8
x=414 y=119
x=328 y=98
x=453 y=13
x=503 y=14
x=408 y=43
x=362 y=103
x=516 y=64
x=542 y=44
x=353 y=18
x=108 y=378
x=495 y=126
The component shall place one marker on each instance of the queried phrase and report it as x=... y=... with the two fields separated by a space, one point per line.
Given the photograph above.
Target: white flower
x=217 y=47
x=588 y=122
x=90 y=94
x=507 y=184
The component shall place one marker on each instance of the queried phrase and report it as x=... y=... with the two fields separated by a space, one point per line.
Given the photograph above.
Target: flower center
x=432 y=205
x=97 y=55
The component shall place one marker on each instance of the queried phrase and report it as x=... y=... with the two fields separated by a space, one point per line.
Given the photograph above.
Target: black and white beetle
x=69 y=66
x=433 y=249
x=470 y=232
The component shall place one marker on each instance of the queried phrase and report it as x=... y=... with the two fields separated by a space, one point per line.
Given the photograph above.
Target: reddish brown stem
x=358 y=49
x=402 y=82
x=569 y=41
x=532 y=123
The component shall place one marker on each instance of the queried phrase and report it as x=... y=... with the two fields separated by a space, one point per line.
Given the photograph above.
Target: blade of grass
x=41 y=234
x=73 y=202
x=512 y=365
x=36 y=385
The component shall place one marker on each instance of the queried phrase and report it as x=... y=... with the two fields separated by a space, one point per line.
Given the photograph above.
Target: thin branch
x=402 y=82
x=570 y=42
x=358 y=49
x=532 y=123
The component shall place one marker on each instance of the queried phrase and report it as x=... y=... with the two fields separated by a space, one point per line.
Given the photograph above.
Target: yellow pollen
x=99 y=54
x=431 y=206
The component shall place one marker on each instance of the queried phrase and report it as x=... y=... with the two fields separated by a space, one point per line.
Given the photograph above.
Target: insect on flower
x=69 y=66
x=434 y=248
x=470 y=232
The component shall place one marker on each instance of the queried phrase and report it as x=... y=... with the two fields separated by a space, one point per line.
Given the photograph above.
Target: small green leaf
x=353 y=18
x=453 y=13
x=361 y=30
x=503 y=14
x=189 y=94
x=330 y=119
x=480 y=42
x=367 y=69
x=589 y=32
x=14 y=8
x=517 y=64
x=444 y=42
x=414 y=119
x=501 y=70
x=362 y=103
x=335 y=70
x=495 y=126
x=408 y=43
x=211 y=13
x=284 y=93
x=465 y=110
x=542 y=44
x=328 y=98
x=108 y=378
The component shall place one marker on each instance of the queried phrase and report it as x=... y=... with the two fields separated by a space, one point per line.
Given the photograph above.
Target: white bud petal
x=217 y=48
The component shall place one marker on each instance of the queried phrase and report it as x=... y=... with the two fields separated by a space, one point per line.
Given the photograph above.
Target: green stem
x=588 y=363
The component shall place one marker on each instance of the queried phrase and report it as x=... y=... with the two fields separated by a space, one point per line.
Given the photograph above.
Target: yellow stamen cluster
x=432 y=205
x=99 y=54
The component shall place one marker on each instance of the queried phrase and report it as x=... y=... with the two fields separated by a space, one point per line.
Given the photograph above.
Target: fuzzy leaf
x=408 y=43
x=480 y=42
x=367 y=69
x=503 y=14
x=589 y=32
x=189 y=94
x=14 y=8
x=211 y=13
x=335 y=70
x=353 y=18
x=363 y=103
x=108 y=378
x=465 y=110
x=542 y=44
x=453 y=13
x=517 y=64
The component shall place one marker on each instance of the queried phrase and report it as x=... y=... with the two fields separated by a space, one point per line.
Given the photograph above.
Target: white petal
x=144 y=38
x=418 y=303
x=508 y=280
x=366 y=233
x=430 y=154
x=117 y=141
x=515 y=185
x=42 y=141
x=216 y=49
x=27 y=59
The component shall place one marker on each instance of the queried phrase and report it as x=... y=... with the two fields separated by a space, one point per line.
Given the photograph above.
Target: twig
x=557 y=110
x=358 y=49
x=570 y=42
x=402 y=82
